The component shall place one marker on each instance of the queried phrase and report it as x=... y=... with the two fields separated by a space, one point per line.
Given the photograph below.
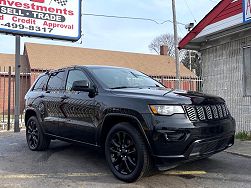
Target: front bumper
x=178 y=139
x=202 y=148
x=199 y=149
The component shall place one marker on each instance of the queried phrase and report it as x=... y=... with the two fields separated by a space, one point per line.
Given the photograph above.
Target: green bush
x=243 y=135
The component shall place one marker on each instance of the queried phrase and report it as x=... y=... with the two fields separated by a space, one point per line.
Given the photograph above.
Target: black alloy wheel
x=32 y=134
x=36 y=139
x=127 y=153
x=123 y=153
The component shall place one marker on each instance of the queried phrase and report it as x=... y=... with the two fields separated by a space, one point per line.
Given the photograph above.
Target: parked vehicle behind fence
x=136 y=120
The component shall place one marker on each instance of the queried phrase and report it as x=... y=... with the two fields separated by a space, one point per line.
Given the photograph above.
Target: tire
x=36 y=139
x=126 y=153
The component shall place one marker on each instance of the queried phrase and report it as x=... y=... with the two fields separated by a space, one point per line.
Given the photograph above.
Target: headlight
x=166 y=110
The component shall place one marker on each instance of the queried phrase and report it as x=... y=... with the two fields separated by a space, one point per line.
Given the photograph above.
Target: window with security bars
x=247 y=70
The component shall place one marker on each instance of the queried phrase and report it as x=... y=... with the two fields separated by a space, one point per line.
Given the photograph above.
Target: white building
x=224 y=39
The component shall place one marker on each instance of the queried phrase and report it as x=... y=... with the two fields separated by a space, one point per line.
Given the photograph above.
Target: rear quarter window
x=40 y=85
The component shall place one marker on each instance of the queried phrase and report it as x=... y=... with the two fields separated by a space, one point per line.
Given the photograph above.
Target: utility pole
x=190 y=60
x=177 y=83
x=17 y=85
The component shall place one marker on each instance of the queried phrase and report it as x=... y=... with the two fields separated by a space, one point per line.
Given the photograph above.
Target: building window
x=247 y=71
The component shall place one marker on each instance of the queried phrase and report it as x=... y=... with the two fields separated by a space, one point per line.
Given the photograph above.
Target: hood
x=200 y=98
x=165 y=95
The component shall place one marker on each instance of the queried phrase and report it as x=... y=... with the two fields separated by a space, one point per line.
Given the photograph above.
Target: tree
x=195 y=62
x=168 y=40
x=165 y=39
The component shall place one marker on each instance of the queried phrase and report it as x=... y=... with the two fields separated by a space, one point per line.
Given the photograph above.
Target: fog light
x=174 y=136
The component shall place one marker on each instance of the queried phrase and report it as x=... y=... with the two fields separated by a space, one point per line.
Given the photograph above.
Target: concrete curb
x=239 y=154
x=240 y=148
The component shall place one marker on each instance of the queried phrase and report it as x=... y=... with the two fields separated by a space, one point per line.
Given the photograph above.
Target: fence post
x=190 y=83
x=162 y=80
x=9 y=96
x=4 y=93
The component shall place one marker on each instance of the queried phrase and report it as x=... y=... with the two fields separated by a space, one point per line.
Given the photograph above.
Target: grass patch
x=243 y=135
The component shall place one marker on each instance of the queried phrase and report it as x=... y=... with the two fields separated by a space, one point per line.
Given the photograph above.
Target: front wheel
x=36 y=139
x=126 y=153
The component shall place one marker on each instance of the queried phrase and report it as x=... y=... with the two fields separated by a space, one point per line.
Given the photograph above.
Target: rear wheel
x=126 y=153
x=36 y=139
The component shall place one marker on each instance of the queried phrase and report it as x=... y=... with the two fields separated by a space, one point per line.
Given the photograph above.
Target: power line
x=131 y=18
x=190 y=11
x=180 y=30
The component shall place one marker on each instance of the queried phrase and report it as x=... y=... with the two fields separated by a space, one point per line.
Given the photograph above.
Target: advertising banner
x=56 y=19
x=246 y=10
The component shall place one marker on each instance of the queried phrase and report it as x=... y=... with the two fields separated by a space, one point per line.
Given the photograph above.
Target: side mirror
x=82 y=85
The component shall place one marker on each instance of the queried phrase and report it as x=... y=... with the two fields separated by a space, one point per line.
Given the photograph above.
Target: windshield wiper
x=124 y=87
x=153 y=86
x=169 y=92
x=121 y=87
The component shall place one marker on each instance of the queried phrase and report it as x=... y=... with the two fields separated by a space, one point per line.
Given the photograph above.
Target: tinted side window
x=56 y=81
x=74 y=75
x=41 y=83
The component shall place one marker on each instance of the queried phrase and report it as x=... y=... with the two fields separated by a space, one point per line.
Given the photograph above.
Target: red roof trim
x=204 y=22
x=232 y=10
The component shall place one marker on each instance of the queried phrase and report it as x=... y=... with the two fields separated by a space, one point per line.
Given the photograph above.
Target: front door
x=78 y=109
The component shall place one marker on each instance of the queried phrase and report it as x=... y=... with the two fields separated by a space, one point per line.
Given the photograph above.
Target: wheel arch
x=112 y=119
x=29 y=113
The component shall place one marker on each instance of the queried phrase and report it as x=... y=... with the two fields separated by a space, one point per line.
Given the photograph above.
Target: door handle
x=64 y=97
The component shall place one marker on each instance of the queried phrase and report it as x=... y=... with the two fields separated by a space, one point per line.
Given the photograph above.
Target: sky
x=123 y=34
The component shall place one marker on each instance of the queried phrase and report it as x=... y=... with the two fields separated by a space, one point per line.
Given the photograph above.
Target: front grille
x=192 y=113
x=215 y=113
x=206 y=112
x=200 y=112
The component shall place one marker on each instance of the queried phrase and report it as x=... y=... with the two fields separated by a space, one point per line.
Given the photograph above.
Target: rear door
x=52 y=100
x=78 y=108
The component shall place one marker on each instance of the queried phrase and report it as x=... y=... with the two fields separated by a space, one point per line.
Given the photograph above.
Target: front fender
x=117 y=117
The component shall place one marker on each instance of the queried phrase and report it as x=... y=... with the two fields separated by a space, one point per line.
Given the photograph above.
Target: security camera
x=189 y=26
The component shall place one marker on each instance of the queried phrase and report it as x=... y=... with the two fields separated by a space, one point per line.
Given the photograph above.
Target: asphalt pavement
x=67 y=165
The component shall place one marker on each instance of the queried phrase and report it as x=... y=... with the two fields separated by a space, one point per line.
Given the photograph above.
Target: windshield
x=118 y=78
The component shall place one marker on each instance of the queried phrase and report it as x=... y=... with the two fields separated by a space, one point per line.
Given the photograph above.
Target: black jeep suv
x=135 y=119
